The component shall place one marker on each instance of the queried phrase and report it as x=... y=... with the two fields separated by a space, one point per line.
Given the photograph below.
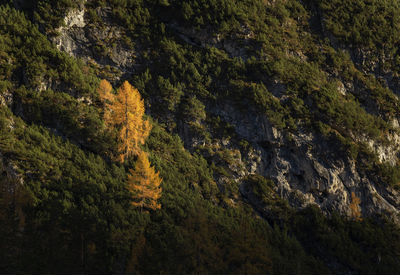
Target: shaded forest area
x=66 y=205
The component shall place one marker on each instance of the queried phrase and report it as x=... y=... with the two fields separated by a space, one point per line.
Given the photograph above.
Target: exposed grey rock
x=386 y=152
x=303 y=170
x=6 y=98
x=395 y=123
x=99 y=44
x=342 y=89
x=75 y=18
x=234 y=45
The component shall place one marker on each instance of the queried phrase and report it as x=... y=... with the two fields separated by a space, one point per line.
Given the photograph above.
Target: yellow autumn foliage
x=144 y=183
x=125 y=111
x=106 y=96
x=355 y=207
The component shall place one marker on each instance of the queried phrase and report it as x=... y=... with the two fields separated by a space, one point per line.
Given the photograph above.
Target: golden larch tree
x=128 y=111
x=144 y=184
x=107 y=97
x=355 y=207
x=125 y=110
x=105 y=90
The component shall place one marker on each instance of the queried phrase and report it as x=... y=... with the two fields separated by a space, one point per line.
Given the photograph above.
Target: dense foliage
x=64 y=199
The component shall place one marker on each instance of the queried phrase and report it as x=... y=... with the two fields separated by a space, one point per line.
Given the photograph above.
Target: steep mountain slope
x=284 y=98
x=271 y=109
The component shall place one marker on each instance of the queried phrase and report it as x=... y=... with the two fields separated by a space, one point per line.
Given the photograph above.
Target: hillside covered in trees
x=199 y=137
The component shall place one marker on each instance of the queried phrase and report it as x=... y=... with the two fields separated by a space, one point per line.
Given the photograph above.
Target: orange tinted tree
x=125 y=111
x=105 y=90
x=128 y=111
x=355 y=207
x=144 y=184
x=107 y=97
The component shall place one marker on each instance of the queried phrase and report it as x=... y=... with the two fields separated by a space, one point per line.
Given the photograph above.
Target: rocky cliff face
x=304 y=167
x=99 y=44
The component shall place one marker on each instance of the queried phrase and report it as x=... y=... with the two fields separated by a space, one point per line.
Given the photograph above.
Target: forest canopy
x=156 y=176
